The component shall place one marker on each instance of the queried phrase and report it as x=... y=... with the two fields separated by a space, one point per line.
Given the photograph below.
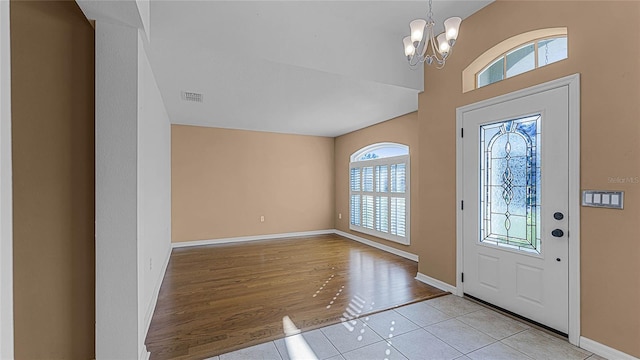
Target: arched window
x=379 y=191
x=516 y=55
x=522 y=59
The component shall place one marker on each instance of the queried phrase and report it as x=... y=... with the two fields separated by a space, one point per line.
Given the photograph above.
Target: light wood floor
x=219 y=298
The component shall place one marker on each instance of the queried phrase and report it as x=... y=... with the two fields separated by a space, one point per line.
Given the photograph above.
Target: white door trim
x=573 y=84
x=6 y=202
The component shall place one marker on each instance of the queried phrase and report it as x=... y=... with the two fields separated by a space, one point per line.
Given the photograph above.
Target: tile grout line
x=357 y=319
x=463 y=353
x=278 y=350
x=500 y=341
x=482 y=331
x=398 y=350
x=330 y=342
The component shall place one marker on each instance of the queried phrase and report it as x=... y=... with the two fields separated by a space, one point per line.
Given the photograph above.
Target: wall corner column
x=116 y=191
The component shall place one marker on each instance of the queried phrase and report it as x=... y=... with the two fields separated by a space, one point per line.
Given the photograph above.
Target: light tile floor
x=447 y=327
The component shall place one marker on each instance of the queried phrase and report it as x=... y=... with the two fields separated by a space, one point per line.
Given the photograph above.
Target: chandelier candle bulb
x=452 y=26
x=417 y=31
x=443 y=45
x=409 y=49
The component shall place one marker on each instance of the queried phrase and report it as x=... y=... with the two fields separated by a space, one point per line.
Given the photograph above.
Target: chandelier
x=422 y=46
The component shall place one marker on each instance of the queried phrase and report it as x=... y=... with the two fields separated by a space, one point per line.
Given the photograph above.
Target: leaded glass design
x=510 y=184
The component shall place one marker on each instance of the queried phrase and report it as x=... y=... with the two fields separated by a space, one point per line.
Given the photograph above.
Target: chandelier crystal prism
x=422 y=46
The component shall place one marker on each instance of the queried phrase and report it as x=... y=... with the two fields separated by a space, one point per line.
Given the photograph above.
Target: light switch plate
x=603 y=199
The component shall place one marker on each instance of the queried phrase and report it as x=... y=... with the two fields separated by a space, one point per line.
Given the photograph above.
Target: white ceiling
x=306 y=67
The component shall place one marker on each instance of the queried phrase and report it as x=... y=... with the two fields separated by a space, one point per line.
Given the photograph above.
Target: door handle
x=557 y=233
x=558 y=216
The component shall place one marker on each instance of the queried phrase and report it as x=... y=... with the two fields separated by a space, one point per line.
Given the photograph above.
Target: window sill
x=397 y=239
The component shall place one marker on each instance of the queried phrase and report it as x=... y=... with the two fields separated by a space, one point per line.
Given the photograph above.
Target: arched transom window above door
x=516 y=55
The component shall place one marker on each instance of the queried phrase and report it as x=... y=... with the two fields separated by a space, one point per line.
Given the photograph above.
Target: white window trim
x=407 y=194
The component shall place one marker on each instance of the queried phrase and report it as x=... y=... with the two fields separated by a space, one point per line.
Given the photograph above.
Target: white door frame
x=573 y=84
x=6 y=203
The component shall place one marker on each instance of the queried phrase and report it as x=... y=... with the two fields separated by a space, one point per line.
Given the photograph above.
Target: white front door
x=515 y=212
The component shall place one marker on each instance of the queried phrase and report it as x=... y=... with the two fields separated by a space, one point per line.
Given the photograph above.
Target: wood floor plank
x=220 y=298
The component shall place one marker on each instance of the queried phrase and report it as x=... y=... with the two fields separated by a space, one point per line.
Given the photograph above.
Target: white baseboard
x=156 y=291
x=359 y=239
x=436 y=283
x=250 y=238
x=144 y=354
x=374 y=244
x=604 y=350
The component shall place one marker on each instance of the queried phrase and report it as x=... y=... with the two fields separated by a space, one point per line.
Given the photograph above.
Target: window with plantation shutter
x=379 y=191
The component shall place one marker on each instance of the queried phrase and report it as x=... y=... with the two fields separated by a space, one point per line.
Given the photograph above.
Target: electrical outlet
x=340 y=216
x=262 y=218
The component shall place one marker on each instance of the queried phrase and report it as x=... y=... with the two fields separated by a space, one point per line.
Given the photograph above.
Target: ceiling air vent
x=191 y=96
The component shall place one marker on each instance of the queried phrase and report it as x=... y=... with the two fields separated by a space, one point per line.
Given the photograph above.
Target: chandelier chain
x=430 y=14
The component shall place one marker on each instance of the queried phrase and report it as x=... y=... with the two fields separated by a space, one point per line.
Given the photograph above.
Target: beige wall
x=403 y=130
x=223 y=180
x=610 y=136
x=52 y=90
